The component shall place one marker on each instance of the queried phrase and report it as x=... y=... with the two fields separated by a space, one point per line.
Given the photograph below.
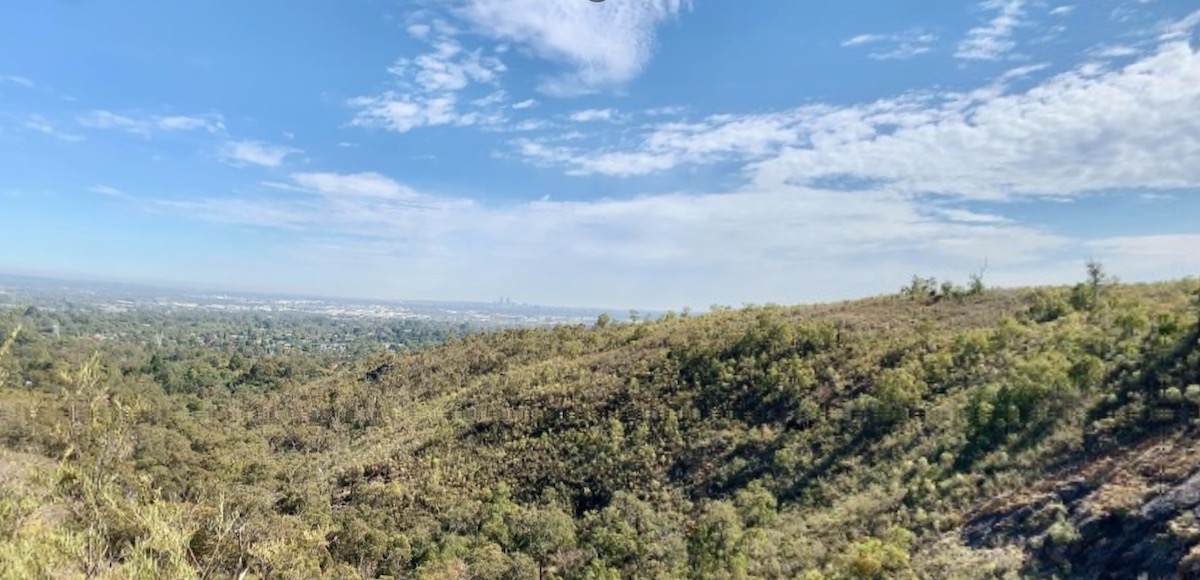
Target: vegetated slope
x=933 y=434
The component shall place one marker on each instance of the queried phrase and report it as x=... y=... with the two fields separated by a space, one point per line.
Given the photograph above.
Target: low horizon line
x=204 y=287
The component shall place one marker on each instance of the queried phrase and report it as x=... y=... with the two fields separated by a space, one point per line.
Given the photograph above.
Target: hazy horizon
x=73 y=281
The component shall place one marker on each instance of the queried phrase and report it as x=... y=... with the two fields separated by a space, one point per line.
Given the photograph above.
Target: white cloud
x=16 y=80
x=971 y=217
x=109 y=191
x=1146 y=257
x=672 y=111
x=365 y=204
x=590 y=115
x=256 y=153
x=786 y=236
x=354 y=185
x=448 y=67
x=1023 y=71
x=1114 y=51
x=370 y=235
x=895 y=46
x=614 y=163
x=110 y=120
x=864 y=39
x=902 y=52
x=530 y=125
x=181 y=123
x=490 y=100
x=1085 y=130
x=605 y=44
x=403 y=113
x=1089 y=129
x=419 y=30
x=590 y=250
x=46 y=127
x=236 y=211
x=527 y=103
x=429 y=87
x=1182 y=29
x=668 y=145
x=1062 y=10
x=993 y=40
x=101 y=119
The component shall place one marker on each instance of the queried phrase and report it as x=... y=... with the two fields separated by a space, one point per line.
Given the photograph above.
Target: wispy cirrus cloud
x=210 y=123
x=47 y=127
x=1180 y=30
x=899 y=46
x=1114 y=51
x=369 y=185
x=365 y=204
x=17 y=81
x=109 y=191
x=668 y=111
x=667 y=145
x=1021 y=72
x=145 y=125
x=993 y=40
x=255 y=153
x=591 y=115
x=242 y=212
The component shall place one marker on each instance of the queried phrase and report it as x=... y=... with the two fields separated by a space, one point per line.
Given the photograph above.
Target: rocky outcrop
x=1122 y=528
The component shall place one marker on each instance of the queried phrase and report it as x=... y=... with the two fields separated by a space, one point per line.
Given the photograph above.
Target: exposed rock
x=1182 y=497
x=1071 y=534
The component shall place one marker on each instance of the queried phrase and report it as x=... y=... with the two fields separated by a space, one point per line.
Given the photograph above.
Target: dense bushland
x=865 y=439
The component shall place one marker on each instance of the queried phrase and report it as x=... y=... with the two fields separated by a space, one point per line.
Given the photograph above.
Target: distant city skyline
x=651 y=154
x=41 y=292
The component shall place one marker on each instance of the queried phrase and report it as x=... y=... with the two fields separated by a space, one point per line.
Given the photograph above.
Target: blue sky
x=631 y=153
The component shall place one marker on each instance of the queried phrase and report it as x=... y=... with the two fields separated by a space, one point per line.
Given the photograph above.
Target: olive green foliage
x=836 y=441
x=929 y=290
x=6 y=343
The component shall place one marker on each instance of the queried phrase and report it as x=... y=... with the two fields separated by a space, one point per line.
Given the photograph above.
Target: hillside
x=937 y=433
